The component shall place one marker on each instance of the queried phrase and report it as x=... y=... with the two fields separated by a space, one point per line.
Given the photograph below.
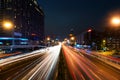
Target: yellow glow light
x=72 y=38
x=7 y=25
x=104 y=41
x=115 y=21
x=48 y=38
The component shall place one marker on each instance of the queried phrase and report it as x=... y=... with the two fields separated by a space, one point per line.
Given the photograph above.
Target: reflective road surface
x=37 y=65
x=84 y=67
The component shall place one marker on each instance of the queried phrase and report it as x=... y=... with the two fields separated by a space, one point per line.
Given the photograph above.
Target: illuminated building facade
x=26 y=16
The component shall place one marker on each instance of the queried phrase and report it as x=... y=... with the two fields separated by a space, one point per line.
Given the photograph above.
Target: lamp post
x=48 y=41
x=115 y=21
x=72 y=40
x=8 y=25
x=48 y=38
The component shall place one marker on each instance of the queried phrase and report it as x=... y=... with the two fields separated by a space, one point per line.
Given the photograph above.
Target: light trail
x=22 y=71
x=115 y=62
x=81 y=68
x=45 y=68
x=16 y=58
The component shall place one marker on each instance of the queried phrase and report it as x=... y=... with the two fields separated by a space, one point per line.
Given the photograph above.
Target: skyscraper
x=26 y=16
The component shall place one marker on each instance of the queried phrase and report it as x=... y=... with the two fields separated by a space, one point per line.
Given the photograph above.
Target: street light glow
x=104 y=41
x=72 y=38
x=48 y=38
x=7 y=25
x=115 y=21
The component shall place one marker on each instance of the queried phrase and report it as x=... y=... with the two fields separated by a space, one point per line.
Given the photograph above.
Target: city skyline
x=59 y=39
x=61 y=16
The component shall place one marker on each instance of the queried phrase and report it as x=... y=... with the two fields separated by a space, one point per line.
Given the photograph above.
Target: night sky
x=63 y=15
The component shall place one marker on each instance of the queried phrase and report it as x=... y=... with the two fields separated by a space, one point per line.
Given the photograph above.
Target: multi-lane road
x=85 y=67
x=37 y=65
x=54 y=63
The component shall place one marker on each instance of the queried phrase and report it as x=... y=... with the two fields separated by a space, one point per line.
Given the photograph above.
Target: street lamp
x=72 y=38
x=72 y=41
x=48 y=38
x=48 y=41
x=115 y=21
x=7 y=25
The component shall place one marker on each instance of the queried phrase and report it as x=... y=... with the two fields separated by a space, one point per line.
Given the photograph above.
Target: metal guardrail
x=108 y=59
x=103 y=58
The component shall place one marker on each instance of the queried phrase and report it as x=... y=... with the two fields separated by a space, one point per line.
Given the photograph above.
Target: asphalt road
x=62 y=70
x=19 y=70
x=64 y=64
x=85 y=67
x=38 y=65
x=46 y=68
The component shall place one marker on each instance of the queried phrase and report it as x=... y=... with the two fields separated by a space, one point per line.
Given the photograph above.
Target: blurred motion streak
x=13 y=59
x=81 y=68
x=44 y=70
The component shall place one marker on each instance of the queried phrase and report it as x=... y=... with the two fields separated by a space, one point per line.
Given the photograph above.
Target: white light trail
x=44 y=69
x=12 y=59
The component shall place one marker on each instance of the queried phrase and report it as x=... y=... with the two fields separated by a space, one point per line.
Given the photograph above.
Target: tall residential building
x=112 y=36
x=26 y=16
x=90 y=37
